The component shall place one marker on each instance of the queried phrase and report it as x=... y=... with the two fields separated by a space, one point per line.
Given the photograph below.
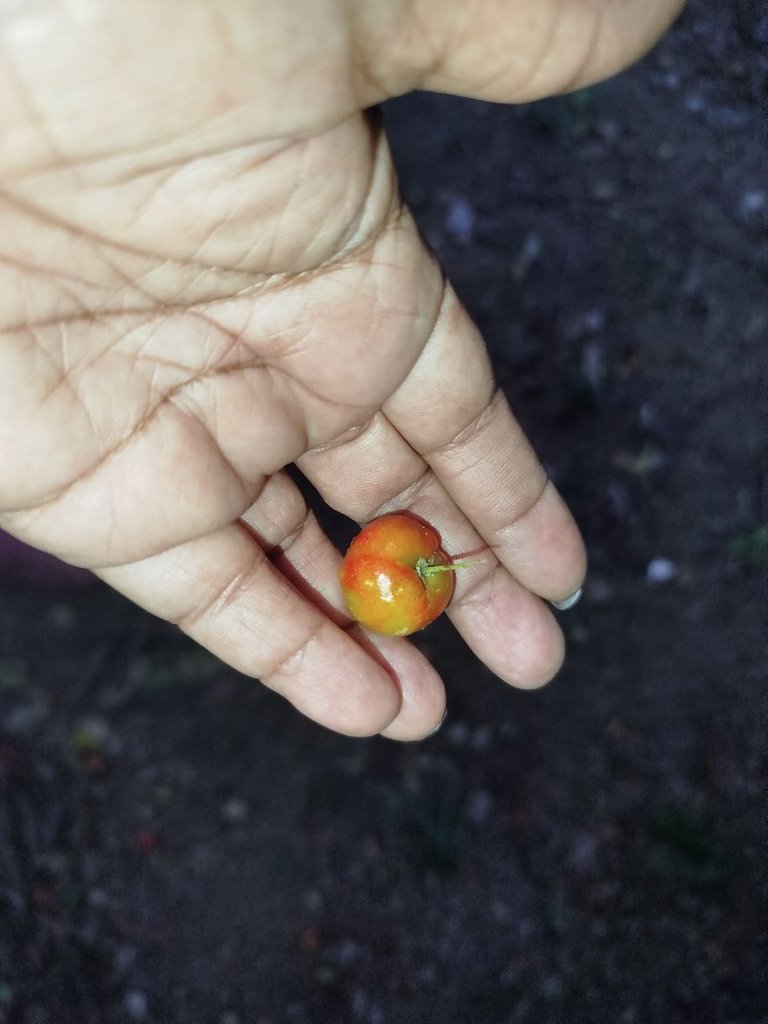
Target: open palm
x=206 y=275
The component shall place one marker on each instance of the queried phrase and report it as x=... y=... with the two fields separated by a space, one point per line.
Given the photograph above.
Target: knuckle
x=221 y=595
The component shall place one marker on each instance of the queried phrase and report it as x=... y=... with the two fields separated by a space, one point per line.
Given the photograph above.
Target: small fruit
x=395 y=577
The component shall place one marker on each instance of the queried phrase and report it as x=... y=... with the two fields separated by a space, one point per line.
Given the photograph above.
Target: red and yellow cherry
x=395 y=577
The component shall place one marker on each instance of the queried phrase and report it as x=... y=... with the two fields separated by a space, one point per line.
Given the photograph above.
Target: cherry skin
x=395 y=577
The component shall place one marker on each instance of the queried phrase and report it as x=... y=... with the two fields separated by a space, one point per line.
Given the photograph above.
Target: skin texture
x=391 y=576
x=206 y=274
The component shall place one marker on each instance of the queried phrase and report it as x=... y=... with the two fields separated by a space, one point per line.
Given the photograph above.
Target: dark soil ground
x=179 y=847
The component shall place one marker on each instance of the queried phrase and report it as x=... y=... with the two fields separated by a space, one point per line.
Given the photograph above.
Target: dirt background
x=179 y=847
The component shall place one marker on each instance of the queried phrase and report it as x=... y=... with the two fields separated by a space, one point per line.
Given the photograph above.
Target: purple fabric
x=20 y=563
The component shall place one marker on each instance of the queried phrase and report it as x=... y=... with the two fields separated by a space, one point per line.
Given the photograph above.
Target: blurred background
x=177 y=846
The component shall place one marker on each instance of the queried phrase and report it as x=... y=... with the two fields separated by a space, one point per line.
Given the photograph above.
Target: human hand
x=206 y=275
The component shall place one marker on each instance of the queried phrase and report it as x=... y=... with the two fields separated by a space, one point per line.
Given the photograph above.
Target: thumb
x=509 y=51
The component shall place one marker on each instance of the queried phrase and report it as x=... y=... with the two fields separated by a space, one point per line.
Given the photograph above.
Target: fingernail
x=439 y=725
x=568 y=602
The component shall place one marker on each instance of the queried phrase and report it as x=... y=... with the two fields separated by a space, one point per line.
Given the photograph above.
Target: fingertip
x=512 y=631
x=405 y=731
x=544 y=549
x=423 y=699
x=543 y=662
x=368 y=712
x=342 y=687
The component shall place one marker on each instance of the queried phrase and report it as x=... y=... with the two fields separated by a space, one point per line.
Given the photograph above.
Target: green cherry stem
x=425 y=568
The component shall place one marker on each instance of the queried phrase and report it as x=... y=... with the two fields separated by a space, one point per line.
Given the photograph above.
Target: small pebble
x=62 y=617
x=480 y=804
x=313 y=901
x=589 y=321
x=501 y=912
x=123 y=960
x=593 y=365
x=233 y=811
x=648 y=415
x=25 y=719
x=604 y=190
x=458 y=734
x=660 y=570
x=694 y=103
x=135 y=1004
x=482 y=738
x=579 y=634
x=92 y=733
x=530 y=252
x=730 y=118
x=599 y=590
x=608 y=130
x=551 y=987
x=344 y=953
x=460 y=220
x=752 y=204
x=583 y=856
x=359 y=1003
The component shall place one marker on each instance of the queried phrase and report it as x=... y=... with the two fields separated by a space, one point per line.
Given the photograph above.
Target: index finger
x=450 y=411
